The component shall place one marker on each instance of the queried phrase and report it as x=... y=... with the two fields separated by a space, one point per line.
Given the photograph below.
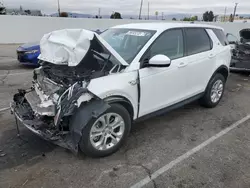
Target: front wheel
x=105 y=134
x=214 y=91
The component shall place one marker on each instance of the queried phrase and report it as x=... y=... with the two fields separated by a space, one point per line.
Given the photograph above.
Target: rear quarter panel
x=222 y=53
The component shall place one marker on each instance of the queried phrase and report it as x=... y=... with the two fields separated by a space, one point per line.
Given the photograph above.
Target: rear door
x=200 y=58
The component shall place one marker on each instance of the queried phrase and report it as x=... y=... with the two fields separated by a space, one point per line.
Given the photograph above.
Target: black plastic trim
x=170 y=108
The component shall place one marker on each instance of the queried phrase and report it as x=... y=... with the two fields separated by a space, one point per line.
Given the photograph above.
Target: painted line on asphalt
x=178 y=160
x=13 y=74
x=4 y=109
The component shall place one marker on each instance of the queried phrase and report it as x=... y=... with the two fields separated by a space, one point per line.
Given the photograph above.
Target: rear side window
x=197 y=41
x=221 y=36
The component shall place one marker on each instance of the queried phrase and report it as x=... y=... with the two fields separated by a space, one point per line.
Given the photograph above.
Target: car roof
x=161 y=26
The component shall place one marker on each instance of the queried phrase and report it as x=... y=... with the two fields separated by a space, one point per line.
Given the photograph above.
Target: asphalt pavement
x=192 y=147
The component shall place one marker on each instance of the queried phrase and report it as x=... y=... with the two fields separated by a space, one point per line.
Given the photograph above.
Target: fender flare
x=82 y=116
x=123 y=101
x=87 y=111
x=223 y=69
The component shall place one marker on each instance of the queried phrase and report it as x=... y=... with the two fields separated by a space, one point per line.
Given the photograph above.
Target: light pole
x=140 y=9
x=225 y=12
x=235 y=7
x=148 y=10
x=58 y=5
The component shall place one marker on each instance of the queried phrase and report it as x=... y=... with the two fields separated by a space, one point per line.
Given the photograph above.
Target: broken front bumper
x=32 y=124
x=240 y=65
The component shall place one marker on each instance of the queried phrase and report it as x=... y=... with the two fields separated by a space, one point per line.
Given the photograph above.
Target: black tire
x=206 y=100
x=85 y=144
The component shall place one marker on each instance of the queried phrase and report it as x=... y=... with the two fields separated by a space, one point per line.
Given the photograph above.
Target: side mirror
x=159 y=61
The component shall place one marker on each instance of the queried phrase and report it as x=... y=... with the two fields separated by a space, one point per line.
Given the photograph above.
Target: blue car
x=28 y=53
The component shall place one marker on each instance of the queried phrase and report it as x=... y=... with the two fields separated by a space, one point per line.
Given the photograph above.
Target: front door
x=163 y=86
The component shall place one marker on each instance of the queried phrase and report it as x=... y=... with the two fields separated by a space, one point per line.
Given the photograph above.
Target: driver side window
x=170 y=43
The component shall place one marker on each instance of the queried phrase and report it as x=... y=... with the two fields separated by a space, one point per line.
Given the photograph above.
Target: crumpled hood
x=69 y=46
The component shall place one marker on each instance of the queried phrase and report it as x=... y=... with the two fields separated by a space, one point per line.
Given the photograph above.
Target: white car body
x=162 y=87
x=82 y=74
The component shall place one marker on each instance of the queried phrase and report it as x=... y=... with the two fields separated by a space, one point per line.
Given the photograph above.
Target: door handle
x=211 y=55
x=182 y=64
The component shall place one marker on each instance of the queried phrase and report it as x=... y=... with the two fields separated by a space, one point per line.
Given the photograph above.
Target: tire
x=86 y=144
x=207 y=99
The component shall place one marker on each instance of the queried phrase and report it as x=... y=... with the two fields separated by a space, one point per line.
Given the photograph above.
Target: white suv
x=90 y=88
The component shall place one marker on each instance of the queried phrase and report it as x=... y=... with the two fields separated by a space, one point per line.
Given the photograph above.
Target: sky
x=131 y=7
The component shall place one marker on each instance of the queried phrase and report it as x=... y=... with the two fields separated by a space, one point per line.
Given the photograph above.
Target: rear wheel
x=214 y=91
x=105 y=134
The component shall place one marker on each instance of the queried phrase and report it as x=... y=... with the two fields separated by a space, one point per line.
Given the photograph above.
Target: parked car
x=240 y=51
x=27 y=54
x=90 y=88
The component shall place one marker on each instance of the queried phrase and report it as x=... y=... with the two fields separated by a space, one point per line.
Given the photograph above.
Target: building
x=236 y=19
x=22 y=11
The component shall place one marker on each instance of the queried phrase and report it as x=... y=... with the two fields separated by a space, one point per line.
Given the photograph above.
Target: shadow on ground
x=27 y=149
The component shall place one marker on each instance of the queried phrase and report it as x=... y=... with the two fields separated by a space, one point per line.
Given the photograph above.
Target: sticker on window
x=138 y=33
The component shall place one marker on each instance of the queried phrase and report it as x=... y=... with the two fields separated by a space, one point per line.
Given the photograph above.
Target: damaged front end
x=241 y=53
x=51 y=107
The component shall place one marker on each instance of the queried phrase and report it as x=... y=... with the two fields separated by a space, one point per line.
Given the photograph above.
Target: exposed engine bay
x=241 y=52
x=48 y=106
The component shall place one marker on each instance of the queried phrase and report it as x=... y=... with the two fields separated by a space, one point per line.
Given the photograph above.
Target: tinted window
x=221 y=36
x=169 y=43
x=197 y=41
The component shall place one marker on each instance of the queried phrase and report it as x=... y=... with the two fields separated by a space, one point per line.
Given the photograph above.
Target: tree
x=191 y=19
x=186 y=19
x=211 y=16
x=2 y=9
x=208 y=16
x=27 y=12
x=231 y=18
x=173 y=19
x=64 y=14
x=116 y=15
x=194 y=18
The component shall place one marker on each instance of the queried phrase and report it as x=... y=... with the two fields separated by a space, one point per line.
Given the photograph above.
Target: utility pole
x=59 y=12
x=225 y=12
x=148 y=10
x=162 y=16
x=235 y=7
x=140 y=9
x=99 y=13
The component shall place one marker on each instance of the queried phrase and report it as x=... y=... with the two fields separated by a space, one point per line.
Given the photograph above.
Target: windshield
x=127 y=42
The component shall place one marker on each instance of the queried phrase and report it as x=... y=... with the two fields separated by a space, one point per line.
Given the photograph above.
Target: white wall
x=22 y=29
